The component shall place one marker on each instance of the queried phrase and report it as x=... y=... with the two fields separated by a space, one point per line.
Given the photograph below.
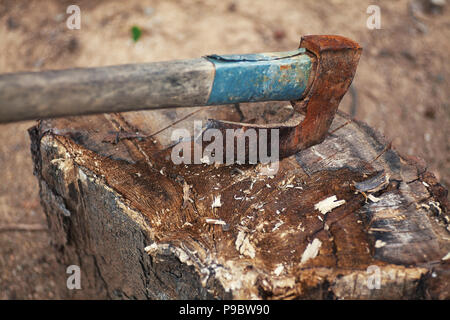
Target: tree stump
x=141 y=227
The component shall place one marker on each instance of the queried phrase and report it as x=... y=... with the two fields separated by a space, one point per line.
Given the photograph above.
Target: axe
x=314 y=78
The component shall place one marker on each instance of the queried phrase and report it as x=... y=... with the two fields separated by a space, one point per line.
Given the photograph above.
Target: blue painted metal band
x=259 y=77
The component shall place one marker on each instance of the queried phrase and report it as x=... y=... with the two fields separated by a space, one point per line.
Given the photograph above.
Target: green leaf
x=136 y=33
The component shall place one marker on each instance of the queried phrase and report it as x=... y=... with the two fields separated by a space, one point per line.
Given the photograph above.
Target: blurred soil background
x=401 y=87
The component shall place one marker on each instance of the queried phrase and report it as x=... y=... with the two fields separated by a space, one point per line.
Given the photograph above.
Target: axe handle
x=212 y=80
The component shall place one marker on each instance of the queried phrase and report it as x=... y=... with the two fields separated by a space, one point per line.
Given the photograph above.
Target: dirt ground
x=401 y=87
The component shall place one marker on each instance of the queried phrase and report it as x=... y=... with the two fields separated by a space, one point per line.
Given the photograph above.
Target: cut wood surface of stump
x=346 y=219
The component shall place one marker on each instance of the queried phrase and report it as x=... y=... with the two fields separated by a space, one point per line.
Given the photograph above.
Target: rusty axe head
x=335 y=59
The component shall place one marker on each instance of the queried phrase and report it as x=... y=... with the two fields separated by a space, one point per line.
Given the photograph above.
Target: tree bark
x=141 y=227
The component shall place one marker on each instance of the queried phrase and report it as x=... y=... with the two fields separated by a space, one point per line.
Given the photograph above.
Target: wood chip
x=215 y=221
x=151 y=248
x=311 y=251
x=244 y=246
x=278 y=270
x=373 y=198
x=379 y=244
x=328 y=204
x=216 y=203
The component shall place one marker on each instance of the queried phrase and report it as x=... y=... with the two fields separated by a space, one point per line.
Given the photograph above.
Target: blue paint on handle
x=259 y=77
